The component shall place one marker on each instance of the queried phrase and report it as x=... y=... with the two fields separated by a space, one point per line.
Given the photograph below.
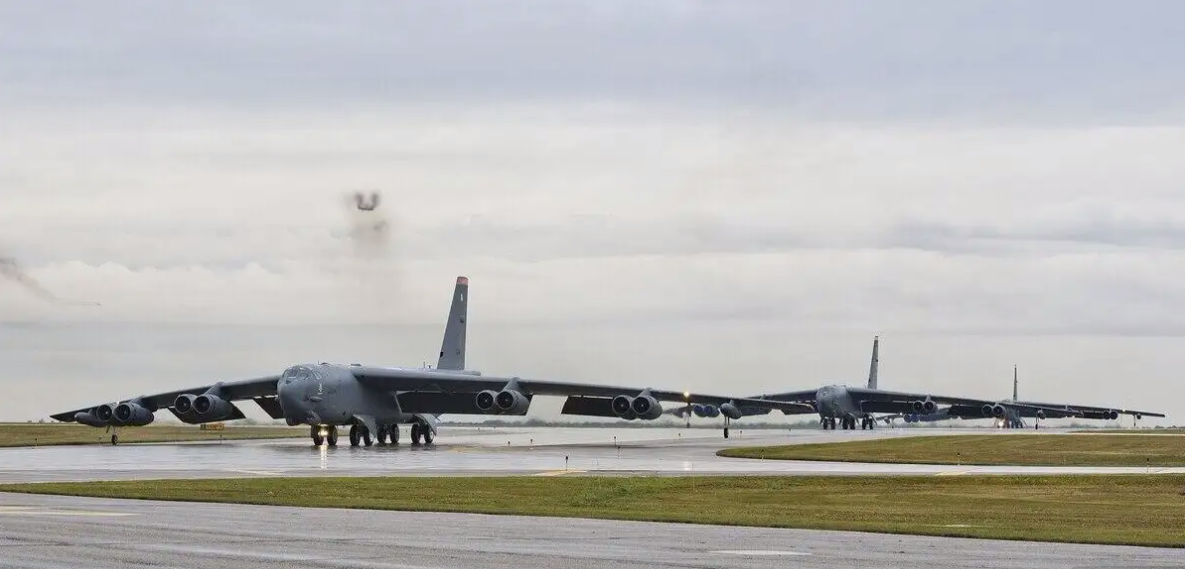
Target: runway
x=48 y=532
x=472 y=452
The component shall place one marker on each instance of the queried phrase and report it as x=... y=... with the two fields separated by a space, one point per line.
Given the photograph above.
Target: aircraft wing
x=403 y=380
x=230 y=391
x=796 y=396
x=1086 y=408
x=878 y=401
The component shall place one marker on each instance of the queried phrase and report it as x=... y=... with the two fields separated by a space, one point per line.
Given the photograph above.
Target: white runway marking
x=762 y=552
x=27 y=511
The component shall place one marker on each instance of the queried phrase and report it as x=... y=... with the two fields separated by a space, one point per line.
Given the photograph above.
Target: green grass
x=1027 y=450
x=1169 y=431
x=43 y=434
x=1114 y=509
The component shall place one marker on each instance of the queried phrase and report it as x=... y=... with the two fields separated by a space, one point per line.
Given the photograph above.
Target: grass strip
x=1110 y=509
x=39 y=434
x=1015 y=450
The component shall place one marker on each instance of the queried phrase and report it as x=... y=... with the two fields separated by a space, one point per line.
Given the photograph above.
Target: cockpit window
x=295 y=374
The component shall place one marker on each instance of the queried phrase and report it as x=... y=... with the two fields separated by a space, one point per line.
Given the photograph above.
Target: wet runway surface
x=67 y=533
x=541 y=451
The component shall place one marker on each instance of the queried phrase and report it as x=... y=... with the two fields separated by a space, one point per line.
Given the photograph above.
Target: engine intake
x=211 y=407
x=709 y=411
x=105 y=413
x=731 y=411
x=646 y=407
x=485 y=401
x=88 y=418
x=623 y=406
x=133 y=415
x=512 y=402
x=184 y=403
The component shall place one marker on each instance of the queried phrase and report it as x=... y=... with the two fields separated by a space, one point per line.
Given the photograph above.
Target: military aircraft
x=375 y=401
x=847 y=404
x=1016 y=411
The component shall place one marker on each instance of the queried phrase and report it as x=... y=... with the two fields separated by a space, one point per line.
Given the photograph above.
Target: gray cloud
x=840 y=60
x=739 y=193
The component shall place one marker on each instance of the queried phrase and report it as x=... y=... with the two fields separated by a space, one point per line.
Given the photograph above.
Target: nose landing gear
x=322 y=435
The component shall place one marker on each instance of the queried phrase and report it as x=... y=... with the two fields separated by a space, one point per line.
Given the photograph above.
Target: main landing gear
x=418 y=431
x=360 y=434
x=846 y=423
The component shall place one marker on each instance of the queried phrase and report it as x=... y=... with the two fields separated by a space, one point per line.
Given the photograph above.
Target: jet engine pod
x=1139 y=416
x=623 y=406
x=731 y=411
x=986 y=410
x=88 y=418
x=184 y=403
x=997 y=410
x=929 y=406
x=1041 y=414
x=511 y=402
x=485 y=401
x=646 y=407
x=704 y=410
x=1113 y=415
x=211 y=407
x=919 y=406
x=105 y=413
x=911 y=418
x=132 y=414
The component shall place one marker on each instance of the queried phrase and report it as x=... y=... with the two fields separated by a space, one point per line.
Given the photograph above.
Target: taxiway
x=59 y=532
x=472 y=452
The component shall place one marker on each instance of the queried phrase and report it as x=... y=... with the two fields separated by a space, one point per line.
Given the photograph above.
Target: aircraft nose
x=292 y=402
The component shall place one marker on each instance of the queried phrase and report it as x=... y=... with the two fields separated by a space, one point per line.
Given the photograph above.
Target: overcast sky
x=733 y=197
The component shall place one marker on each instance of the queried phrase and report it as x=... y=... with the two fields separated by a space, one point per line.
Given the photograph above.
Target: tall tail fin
x=452 y=349
x=1014 y=384
x=876 y=340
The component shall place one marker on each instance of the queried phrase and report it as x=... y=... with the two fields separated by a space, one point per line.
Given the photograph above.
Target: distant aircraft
x=1016 y=411
x=844 y=405
x=374 y=401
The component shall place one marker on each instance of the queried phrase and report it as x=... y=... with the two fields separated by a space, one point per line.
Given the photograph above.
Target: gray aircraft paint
x=379 y=399
x=452 y=349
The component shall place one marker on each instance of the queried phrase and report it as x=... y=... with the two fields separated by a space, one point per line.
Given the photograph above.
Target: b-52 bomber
x=374 y=401
x=1016 y=411
x=843 y=405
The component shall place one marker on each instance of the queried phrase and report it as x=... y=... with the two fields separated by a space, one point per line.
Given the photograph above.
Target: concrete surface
x=671 y=452
x=59 y=532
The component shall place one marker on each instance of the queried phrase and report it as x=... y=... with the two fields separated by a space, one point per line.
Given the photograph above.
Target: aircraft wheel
x=332 y=438
x=726 y=432
x=355 y=436
x=315 y=433
x=427 y=432
x=114 y=440
x=394 y=433
x=366 y=440
x=382 y=438
x=415 y=434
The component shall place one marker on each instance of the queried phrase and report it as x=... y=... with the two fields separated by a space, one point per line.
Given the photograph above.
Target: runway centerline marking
x=29 y=511
x=558 y=472
x=760 y=552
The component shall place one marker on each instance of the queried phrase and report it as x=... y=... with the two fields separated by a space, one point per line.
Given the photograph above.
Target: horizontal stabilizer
x=271 y=406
